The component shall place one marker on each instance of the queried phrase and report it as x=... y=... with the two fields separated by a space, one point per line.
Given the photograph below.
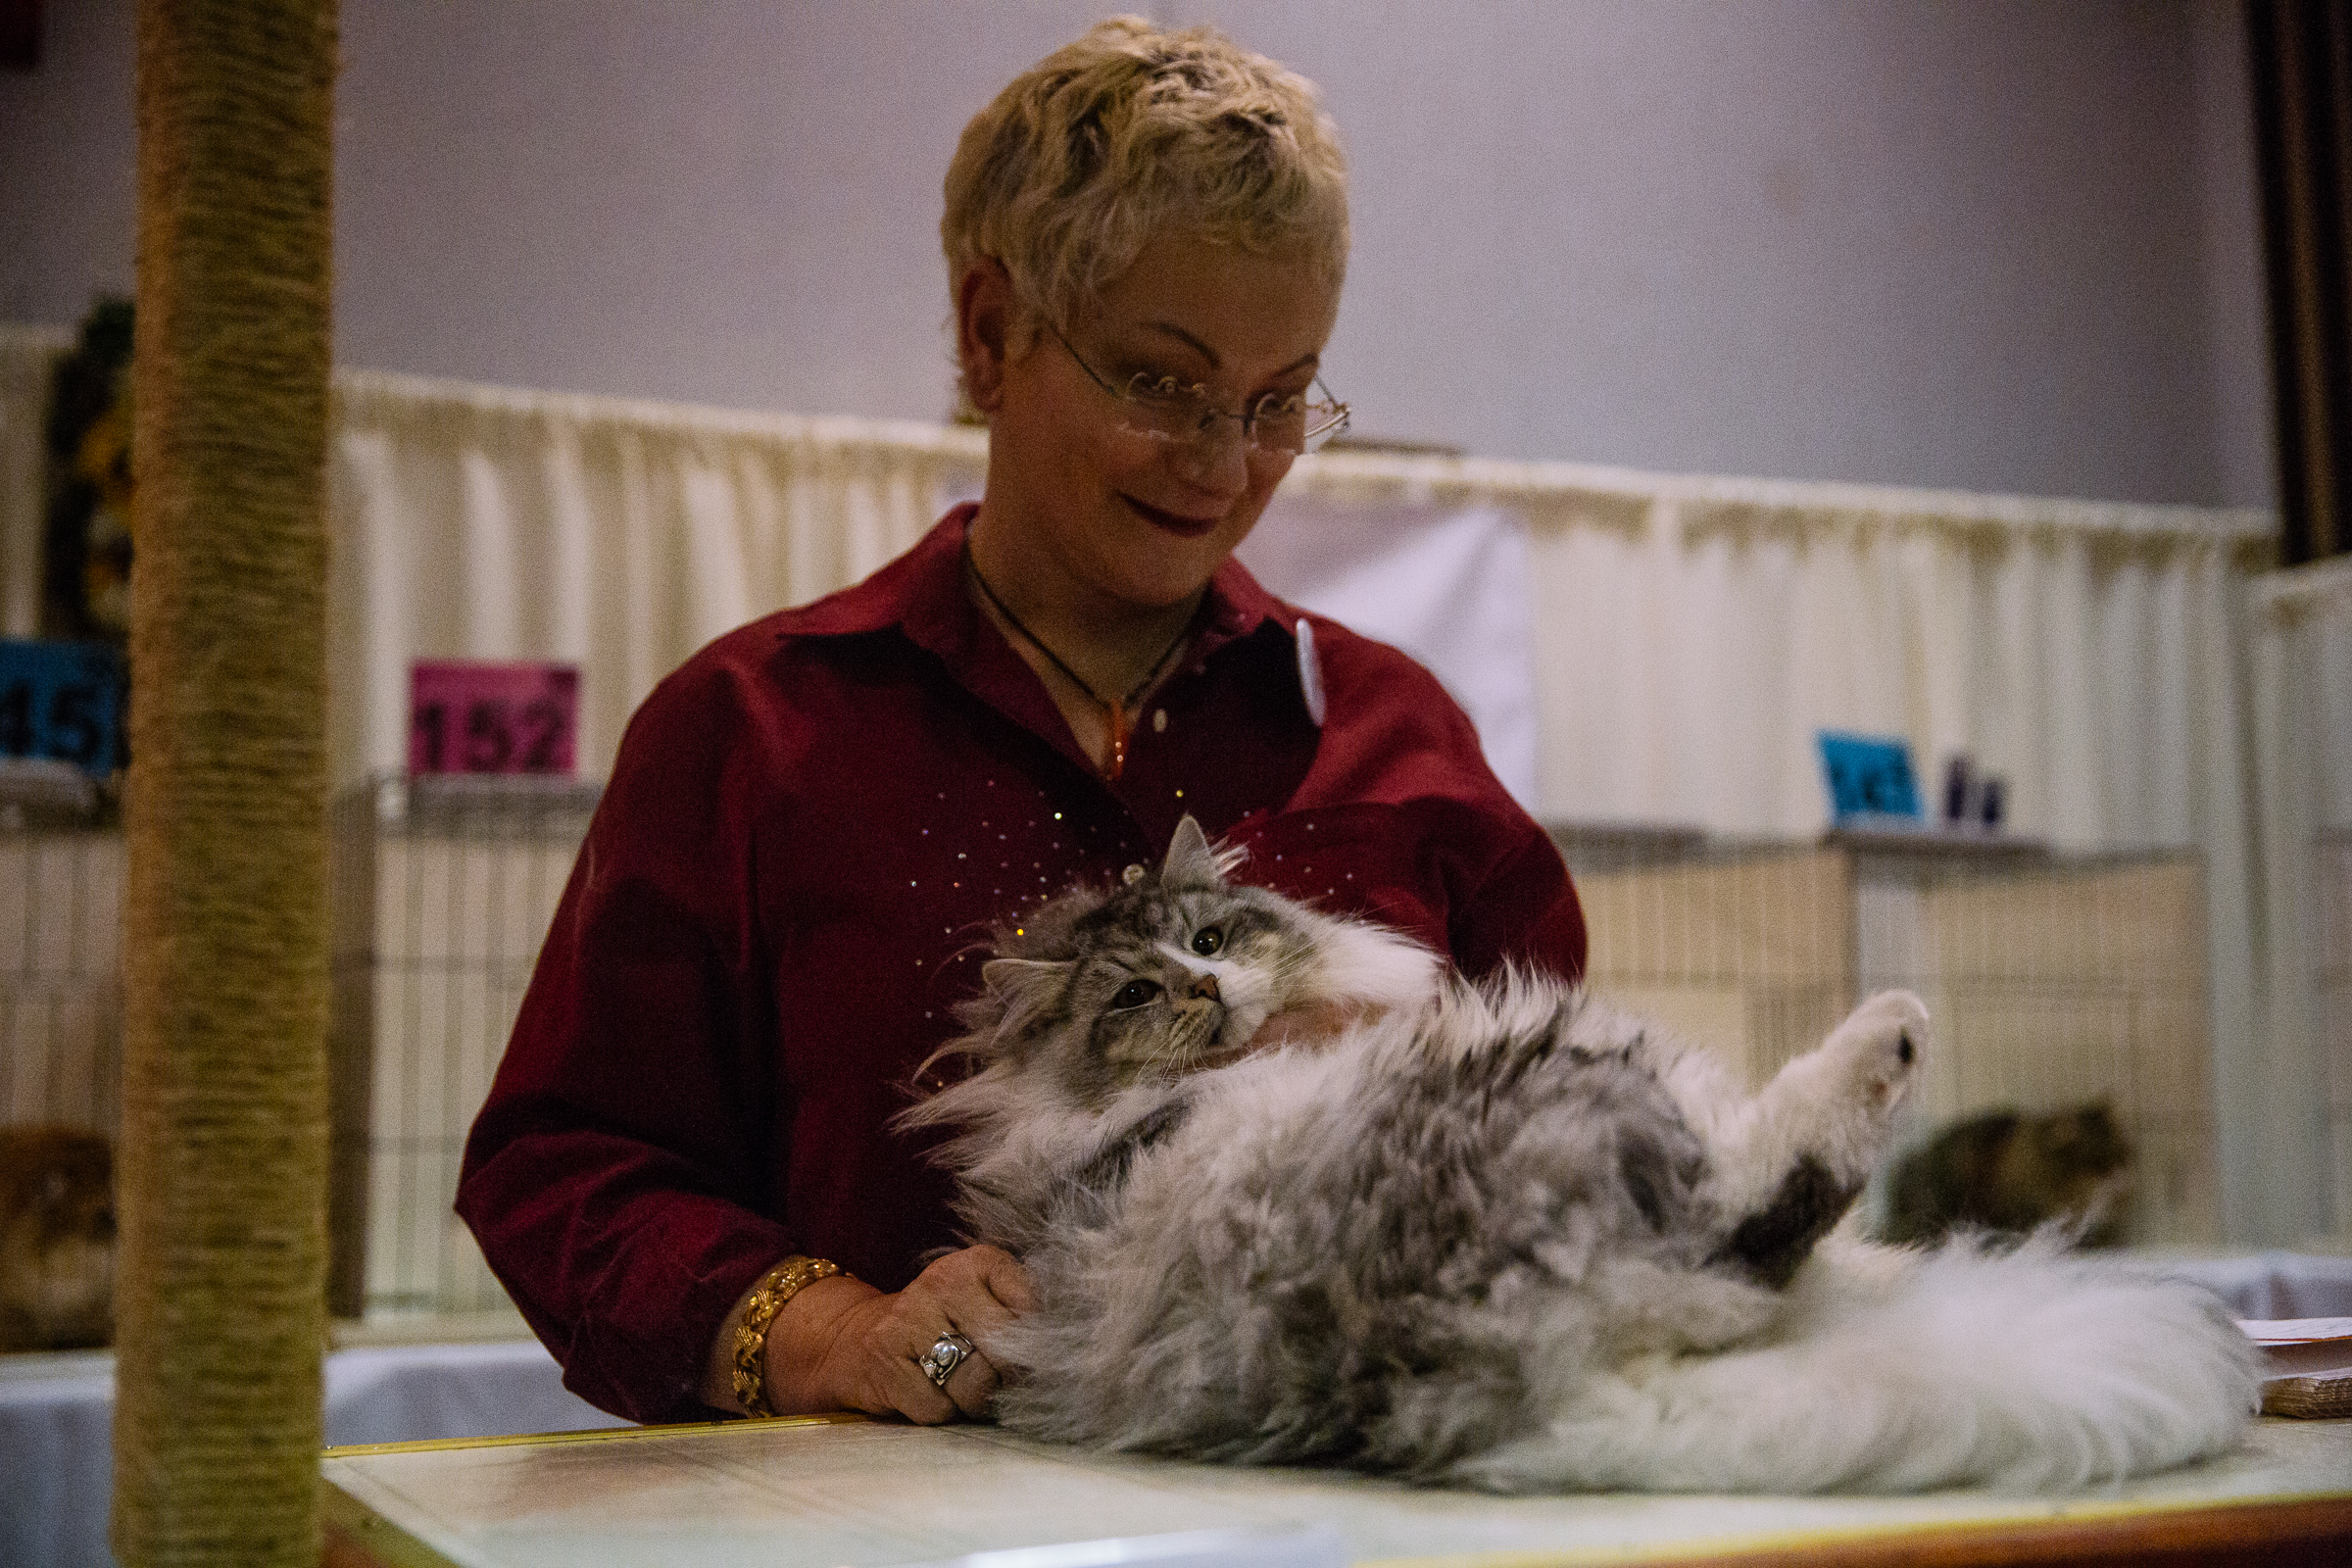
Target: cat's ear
x=1023 y=990
x=1012 y=979
x=1191 y=862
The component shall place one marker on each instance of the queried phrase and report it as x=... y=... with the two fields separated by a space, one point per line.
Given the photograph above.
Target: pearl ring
x=947 y=1353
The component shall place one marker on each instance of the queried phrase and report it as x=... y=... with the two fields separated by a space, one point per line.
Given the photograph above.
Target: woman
x=684 y=1173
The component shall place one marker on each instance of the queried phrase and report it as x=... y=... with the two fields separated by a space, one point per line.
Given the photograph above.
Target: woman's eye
x=1207 y=940
x=1135 y=992
x=1161 y=391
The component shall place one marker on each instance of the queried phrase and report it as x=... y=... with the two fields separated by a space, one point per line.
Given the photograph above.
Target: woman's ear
x=985 y=313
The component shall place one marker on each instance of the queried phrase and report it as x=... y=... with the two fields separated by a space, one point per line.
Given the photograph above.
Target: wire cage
x=2333 y=978
x=2052 y=981
x=442 y=889
x=61 y=971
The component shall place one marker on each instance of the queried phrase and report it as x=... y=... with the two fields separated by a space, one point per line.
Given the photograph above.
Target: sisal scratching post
x=222 y=1301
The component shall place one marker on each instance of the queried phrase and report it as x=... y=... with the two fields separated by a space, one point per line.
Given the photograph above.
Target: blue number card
x=1870 y=776
x=62 y=701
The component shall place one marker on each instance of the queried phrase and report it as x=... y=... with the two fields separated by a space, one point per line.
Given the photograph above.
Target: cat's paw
x=1832 y=1109
x=1878 y=1047
x=1865 y=1071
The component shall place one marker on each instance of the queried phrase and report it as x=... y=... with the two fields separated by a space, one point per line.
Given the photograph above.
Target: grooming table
x=846 y=1492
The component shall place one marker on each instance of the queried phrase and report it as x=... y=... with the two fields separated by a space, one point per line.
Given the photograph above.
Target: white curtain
x=2303 y=737
x=1634 y=647
x=473 y=522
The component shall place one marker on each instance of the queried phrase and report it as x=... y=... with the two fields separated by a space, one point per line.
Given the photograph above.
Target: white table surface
x=860 y=1494
x=56 y=1409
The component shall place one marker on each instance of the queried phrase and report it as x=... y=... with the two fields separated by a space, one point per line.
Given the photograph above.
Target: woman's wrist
x=775 y=1289
x=744 y=1358
x=800 y=1344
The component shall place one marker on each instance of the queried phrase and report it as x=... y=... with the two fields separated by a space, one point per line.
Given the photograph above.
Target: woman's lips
x=1182 y=528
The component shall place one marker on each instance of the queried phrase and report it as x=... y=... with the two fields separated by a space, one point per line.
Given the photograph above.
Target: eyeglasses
x=1166 y=410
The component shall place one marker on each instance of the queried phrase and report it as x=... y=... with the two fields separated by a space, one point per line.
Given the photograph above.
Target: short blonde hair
x=1130 y=131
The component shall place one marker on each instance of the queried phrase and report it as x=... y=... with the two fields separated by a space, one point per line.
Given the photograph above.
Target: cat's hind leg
x=1790 y=1161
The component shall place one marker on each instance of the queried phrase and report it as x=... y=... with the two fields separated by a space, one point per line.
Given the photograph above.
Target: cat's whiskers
x=1196 y=1037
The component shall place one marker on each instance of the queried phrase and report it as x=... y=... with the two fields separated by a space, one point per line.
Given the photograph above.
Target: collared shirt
x=810 y=829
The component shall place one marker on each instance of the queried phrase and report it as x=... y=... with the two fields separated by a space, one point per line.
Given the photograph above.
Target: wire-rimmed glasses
x=1168 y=410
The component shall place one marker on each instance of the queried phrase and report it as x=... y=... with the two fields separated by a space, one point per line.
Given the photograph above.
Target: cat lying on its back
x=1290 y=1192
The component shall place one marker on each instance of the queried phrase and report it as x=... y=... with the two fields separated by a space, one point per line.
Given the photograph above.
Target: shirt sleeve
x=1525 y=912
x=614 y=1176
x=1396 y=738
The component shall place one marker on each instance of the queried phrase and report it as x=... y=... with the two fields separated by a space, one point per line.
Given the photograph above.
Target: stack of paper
x=2310 y=1372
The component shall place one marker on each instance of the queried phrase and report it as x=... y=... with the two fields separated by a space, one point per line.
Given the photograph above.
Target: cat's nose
x=1201 y=988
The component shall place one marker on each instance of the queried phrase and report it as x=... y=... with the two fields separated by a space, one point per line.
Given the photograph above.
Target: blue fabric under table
x=57 y=1414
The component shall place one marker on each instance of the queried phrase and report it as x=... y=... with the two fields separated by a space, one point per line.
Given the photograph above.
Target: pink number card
x=481 y=717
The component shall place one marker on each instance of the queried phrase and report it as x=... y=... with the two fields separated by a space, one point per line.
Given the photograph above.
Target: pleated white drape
x=473 y=522
x=2303 y=736
x=1635 y=647
x=1688 y=636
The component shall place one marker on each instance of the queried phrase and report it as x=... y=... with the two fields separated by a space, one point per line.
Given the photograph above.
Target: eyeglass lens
x=1166 y=410
x=1277 y=426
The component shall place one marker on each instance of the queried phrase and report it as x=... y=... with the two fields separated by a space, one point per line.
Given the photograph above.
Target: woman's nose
x=1216 y=459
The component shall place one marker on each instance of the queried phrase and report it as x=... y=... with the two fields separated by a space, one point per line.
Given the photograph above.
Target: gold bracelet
x=783 y=1282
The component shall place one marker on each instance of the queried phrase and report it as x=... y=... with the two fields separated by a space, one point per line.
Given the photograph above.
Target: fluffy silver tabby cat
x=1290 y=1191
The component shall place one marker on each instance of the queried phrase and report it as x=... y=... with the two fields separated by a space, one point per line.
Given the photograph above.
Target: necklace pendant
x=1119 y=731
x=1115 y=711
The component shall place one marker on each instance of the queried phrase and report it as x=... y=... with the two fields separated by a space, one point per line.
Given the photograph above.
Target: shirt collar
x=922 y=594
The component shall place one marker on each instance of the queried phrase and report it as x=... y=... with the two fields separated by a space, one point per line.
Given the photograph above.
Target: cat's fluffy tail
x=2024 y=1369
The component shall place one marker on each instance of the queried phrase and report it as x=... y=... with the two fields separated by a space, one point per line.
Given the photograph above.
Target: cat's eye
x=1207 y=940
x=1135 y=992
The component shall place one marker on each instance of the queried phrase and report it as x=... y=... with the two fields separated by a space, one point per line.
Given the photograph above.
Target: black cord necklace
x=1115 y=710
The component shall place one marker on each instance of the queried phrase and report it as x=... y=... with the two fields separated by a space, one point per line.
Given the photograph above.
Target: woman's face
x=1124 y=519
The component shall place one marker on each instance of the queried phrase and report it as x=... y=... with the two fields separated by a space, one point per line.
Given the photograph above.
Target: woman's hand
x=841 y=1344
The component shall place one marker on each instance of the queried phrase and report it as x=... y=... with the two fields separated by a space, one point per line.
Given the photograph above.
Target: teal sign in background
x=62 y=701
x=1870 y=775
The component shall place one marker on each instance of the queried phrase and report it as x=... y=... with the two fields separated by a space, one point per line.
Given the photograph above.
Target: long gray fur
x=1314 y=1200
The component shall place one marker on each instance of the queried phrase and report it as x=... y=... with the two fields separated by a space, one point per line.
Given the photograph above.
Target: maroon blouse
x=810 y=829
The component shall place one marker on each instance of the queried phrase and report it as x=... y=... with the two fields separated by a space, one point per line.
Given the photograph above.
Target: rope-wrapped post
x=221 y=1309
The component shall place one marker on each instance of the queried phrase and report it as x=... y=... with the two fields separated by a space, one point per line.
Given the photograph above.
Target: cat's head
x=2084 y=1140
x=57 y=1238
x=1175 y=971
